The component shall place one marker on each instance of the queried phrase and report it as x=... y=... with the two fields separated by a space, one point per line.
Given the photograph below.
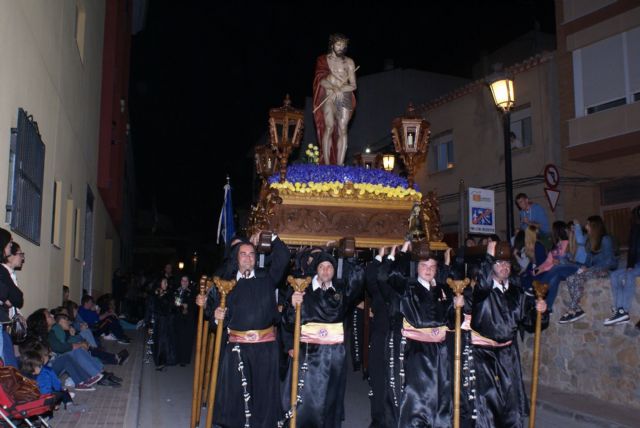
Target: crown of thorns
x=337 y=37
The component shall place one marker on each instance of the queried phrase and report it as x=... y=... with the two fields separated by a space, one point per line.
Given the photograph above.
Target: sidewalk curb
x=578 y=416
x=132 y=413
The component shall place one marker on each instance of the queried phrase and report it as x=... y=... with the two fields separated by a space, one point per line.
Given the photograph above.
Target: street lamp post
x=503 y=96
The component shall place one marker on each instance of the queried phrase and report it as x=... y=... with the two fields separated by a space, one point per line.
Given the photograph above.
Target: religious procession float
x=318 y=200
x=312 y=203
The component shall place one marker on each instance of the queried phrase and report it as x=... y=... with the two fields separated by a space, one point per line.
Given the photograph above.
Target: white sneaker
x=109 y=336
x=69 y=383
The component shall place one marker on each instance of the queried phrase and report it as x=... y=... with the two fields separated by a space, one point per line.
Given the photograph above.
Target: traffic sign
x=552 y=197
x=551 y=176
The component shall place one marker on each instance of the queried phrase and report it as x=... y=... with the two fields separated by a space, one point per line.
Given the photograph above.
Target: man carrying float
x=323 y=364
x=248 y=381
x=499 y=308
x=427 y=307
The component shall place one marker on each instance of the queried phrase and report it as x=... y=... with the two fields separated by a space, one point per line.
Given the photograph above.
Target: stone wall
x=586 y=357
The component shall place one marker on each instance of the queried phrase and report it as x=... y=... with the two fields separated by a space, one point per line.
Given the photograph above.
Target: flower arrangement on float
x=335 y=181
x=311 y=154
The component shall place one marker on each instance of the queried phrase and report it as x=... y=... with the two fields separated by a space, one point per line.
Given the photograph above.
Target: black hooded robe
x=248 y=384
x=384 y=347
x=426 y=399
x=163 y=310
x=322 y=368
x=501 y=400
x=185 y=324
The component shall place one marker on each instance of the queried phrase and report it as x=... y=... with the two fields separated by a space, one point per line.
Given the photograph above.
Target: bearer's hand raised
x=491 y=248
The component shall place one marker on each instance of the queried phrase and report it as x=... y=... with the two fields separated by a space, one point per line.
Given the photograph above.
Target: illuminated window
x=442 y=152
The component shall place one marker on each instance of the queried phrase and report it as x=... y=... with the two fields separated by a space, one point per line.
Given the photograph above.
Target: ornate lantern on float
x=410 y=135
x=368 y=160
x=388 y=161
x=285 y=132
x=266 y=163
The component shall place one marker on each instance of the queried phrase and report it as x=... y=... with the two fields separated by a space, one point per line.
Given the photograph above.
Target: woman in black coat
x=162 y=311
x=10 y=294
x=184 y=298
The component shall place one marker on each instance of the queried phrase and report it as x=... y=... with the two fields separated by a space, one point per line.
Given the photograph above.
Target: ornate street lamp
x=502 y=90
x=410 y=135
x=504 y=98
x=388 y=161
x=285 y=131
x=266 y=160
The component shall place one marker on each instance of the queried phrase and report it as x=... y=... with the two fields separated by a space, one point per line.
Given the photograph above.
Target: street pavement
x=166 y=402
x=149 y=398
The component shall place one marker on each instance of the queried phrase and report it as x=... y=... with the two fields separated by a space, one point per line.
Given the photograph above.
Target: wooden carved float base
x=309 y=220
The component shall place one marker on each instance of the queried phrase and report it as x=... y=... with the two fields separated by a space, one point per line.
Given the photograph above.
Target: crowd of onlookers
x=572 y=253
x=59 y=349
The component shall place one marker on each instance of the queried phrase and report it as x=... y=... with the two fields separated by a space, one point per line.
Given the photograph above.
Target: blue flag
x=226 y=228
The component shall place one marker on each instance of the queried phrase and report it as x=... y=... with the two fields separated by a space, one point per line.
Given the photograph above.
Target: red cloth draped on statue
x=319 y=94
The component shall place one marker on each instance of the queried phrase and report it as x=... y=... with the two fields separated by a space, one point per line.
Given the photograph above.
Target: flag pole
x=226 y=228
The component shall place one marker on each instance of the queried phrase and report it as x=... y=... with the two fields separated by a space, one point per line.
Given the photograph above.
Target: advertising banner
x=482 y=210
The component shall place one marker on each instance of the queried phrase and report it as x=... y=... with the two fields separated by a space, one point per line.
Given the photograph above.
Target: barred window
x=26 y=175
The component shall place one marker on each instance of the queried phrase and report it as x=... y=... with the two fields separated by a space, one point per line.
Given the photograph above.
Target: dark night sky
x=205 y=73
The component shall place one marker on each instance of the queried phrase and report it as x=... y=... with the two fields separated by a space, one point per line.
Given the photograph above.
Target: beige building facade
x=467 y=143
x=599 y=92
x=52 y=70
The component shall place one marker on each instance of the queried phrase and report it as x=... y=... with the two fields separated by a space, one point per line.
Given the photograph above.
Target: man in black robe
x=384 y=343
x=322 y=373
x=184 y=320
x=426 y=305
x=248 y=384
x=499 y=308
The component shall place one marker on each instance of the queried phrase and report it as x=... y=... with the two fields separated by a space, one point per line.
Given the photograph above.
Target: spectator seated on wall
x=623 y=281
x=105 y=324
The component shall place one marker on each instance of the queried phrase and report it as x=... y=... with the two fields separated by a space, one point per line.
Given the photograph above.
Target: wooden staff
x=224 y=288
x=457 y=287
x=541 y=292
x=208 y=352
x=205 y=357
x=195 y=398
x=299 y=285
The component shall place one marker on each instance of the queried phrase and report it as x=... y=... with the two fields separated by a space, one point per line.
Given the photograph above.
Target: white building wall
x=43 y=73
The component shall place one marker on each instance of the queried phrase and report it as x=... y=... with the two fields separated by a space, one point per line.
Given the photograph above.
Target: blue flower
x=305 y=173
